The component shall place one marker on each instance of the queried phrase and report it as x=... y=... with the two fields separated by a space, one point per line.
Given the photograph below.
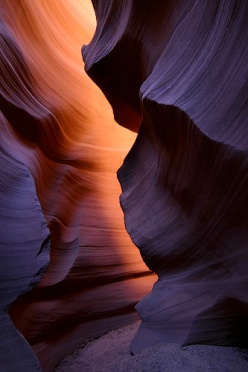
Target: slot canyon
x=124 y=175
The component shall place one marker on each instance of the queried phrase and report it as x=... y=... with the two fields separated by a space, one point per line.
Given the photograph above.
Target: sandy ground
x=110 y=353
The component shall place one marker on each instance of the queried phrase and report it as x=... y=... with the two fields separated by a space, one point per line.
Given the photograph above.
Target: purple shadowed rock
x=24 y=256
x=176 y=73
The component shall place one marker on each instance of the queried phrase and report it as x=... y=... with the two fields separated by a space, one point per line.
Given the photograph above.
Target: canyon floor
x=110 y=353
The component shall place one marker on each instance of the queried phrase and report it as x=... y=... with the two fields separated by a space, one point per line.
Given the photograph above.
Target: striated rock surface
x=176 y=73
x=57 y=129
x=24 y=255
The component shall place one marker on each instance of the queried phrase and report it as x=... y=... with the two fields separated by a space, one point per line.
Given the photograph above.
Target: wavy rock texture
x=58 y=129
x=24 y=248
x=176 y=73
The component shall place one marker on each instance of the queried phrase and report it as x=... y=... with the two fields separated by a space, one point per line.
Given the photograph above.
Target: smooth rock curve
x=176 y=73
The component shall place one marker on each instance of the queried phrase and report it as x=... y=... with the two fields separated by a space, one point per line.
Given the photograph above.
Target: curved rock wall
x=24 y=253
x=58 y=130
x=176 y=73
